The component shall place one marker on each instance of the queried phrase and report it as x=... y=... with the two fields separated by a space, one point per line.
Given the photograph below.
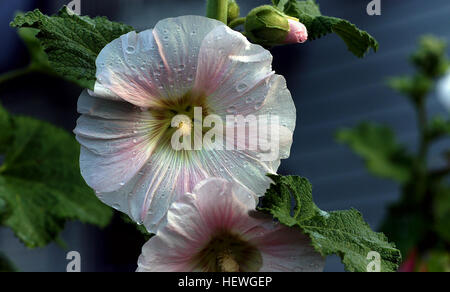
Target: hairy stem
x=424 y=144
x=237 y=22
x=217 y=9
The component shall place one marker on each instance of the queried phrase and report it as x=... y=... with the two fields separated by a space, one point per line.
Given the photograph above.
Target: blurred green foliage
x=342 y=233
x=40 y=183
x=420 y=220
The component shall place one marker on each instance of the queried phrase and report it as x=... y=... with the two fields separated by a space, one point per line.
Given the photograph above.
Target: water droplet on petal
x=130 y=49
x=249 y=100
x=241 y=87
x=232 y=110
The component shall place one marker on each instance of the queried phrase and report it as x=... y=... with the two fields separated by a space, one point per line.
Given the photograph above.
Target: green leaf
x=6 y=132
x=441 y=212
x=377 y=145
x=41 y=184
x=431 y=57
x=439 y=128
x=6 y=265
x=439 y=262
x=415 y=87
x=5 y=211
x=358 y=41
x=406 y=225
x=344 y=233
x=72 y=42
x=140 y=228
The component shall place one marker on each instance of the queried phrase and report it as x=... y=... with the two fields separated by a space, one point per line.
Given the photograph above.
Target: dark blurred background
x=331 y=89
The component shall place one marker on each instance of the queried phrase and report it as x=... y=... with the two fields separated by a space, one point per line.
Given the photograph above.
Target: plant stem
x=439 y=173
x=422 y=163
x=15 y=74
x=237 y=22
x=217 y=9
x=423 y=126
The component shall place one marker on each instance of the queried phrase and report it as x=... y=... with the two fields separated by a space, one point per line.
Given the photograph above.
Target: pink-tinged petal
x=171 y=250
x=297 y=32
x=279 y=103
x=229 y=67
x=147 y=67
x=285 y=249
x=238 y=80
x=112 y=150
x=125 y=155
x=224 y=205
x=192 y=221
x=220 y=207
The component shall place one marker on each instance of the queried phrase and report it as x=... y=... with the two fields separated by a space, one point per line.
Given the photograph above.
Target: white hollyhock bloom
x=443 y=91
x=144 y=80
x=213 y=230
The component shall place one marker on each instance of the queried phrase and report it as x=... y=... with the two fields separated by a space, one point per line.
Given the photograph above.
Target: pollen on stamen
x=185 y=128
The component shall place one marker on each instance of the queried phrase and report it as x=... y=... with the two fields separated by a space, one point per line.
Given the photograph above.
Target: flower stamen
x=226 y=262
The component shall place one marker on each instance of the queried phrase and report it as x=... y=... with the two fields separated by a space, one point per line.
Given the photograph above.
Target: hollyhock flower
x=144 y=80
x=443 y=91
x=215 y=229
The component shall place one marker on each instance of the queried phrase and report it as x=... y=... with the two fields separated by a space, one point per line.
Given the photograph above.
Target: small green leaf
x=383 y=155
x=415 y=87
x=406 y=225
x=439 y=262
x=6 y=132
x=439 y=128
x=441 y=212
x=140 y=228
x=41 y=184
x=431 y=58
x=343 y=233
x=72 y=42
x=6 y=265
x=358 y=41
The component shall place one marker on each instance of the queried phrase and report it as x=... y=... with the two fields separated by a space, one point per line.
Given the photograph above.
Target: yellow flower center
x=227 y=252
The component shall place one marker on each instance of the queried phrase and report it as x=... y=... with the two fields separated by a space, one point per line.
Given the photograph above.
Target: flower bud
x=268 y=26
x=233 y=10
x=297 y=33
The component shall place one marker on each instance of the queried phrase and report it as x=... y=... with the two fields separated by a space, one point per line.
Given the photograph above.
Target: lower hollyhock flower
x=215 y=229
x=146 y=79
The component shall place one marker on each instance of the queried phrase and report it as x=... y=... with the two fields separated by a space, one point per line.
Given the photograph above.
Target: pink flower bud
x=297 y=32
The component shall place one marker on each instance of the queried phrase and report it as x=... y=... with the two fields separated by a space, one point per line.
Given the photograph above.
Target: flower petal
x=114 y=138
x=143 y=68
x=229 y=67
x=216 y=206
x=192 y=221
x=285 y=249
